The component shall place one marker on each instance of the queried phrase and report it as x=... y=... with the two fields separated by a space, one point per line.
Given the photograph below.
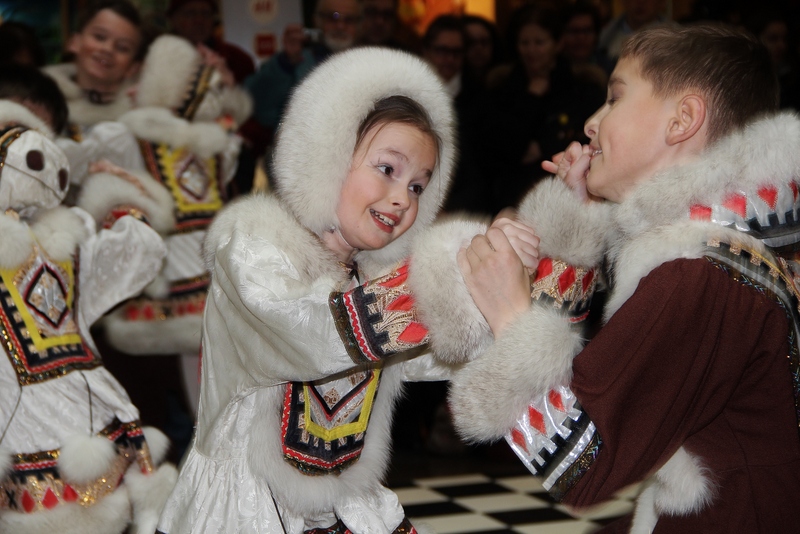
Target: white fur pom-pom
x=85 y=458
x=158 y=443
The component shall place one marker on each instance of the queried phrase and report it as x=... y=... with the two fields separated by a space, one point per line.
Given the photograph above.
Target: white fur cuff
x=457 y=328
x=532 y=356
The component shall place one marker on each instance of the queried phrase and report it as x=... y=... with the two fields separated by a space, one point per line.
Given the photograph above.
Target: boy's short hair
x=23 y=83
x=730 y=68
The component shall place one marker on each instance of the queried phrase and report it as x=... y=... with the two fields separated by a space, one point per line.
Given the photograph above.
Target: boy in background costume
x=180 y=99
x=73 y=454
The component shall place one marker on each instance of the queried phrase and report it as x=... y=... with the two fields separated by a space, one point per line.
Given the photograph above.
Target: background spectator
x=196 y=20
x=537 y=106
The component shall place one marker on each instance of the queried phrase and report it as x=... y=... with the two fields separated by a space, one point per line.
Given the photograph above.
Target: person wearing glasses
x=338 y=23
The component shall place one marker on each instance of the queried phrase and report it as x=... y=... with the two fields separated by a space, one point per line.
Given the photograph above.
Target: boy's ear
x=689 y=119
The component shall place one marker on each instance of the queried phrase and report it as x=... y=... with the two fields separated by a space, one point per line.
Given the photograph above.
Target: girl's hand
x=496 y=279
x=521 y=237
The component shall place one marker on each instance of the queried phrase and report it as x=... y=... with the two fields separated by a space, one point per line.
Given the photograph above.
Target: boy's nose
x=590 y=126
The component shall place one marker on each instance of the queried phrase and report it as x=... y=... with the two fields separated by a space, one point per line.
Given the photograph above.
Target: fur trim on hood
x=316 y=138
x=12 y=112
x=81 y=110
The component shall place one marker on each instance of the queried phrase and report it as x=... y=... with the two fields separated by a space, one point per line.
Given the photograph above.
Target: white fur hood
x=317 y=135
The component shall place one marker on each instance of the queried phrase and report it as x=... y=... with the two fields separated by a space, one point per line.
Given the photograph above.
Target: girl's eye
x=386 y=169
x=417 y=189
x=123 y=49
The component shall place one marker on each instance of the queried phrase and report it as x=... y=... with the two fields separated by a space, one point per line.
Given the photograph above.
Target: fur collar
x=13 y=112
x=58 y=231
x=159 y=125
x=264 y=216
x=761 y=155
x=81 y=111
x=655 y=224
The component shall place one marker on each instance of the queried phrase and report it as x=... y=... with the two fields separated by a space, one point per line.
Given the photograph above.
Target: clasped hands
x=497 y=265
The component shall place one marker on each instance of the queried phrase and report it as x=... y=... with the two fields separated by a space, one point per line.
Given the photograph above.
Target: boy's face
x=380 y=196
x=105 y=51
x=627 y=135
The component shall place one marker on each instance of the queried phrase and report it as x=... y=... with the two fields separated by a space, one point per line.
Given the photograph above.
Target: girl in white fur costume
x=296 y=403
x=73 y=455
x=180 y=98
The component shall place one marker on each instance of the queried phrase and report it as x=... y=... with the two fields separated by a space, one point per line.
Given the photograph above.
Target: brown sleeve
x=665 y=365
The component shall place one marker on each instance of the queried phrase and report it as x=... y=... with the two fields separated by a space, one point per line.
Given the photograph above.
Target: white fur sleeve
x=115 y=264
x=282 y=325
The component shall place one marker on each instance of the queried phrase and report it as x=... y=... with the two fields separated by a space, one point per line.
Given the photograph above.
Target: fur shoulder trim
x=167 y=71
x=159 y=125
x=763 y=154
x=533 y=354
x=60 y=231
x=632 y=260
x=103 y=191
x=13 y=112
x=568 y=229
x=265 y=216
x=316 y=138
x=457 y=328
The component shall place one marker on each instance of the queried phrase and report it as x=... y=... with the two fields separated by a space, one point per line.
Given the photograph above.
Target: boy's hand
x=496 y=279
x=572 y=166
x=521 y=237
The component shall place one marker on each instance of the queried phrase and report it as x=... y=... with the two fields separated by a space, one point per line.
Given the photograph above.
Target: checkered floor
x=475 y=503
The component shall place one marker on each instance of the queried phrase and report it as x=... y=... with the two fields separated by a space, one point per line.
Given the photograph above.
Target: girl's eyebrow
x=394 y=152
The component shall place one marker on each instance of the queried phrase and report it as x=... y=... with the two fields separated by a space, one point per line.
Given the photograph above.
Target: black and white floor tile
x=480 y=504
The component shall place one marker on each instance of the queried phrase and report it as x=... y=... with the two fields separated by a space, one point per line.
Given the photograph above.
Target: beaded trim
x=35 y=483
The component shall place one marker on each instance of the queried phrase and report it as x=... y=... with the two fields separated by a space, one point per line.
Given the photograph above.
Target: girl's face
x=537 y=49
x=380 y=197
x=105 y=50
